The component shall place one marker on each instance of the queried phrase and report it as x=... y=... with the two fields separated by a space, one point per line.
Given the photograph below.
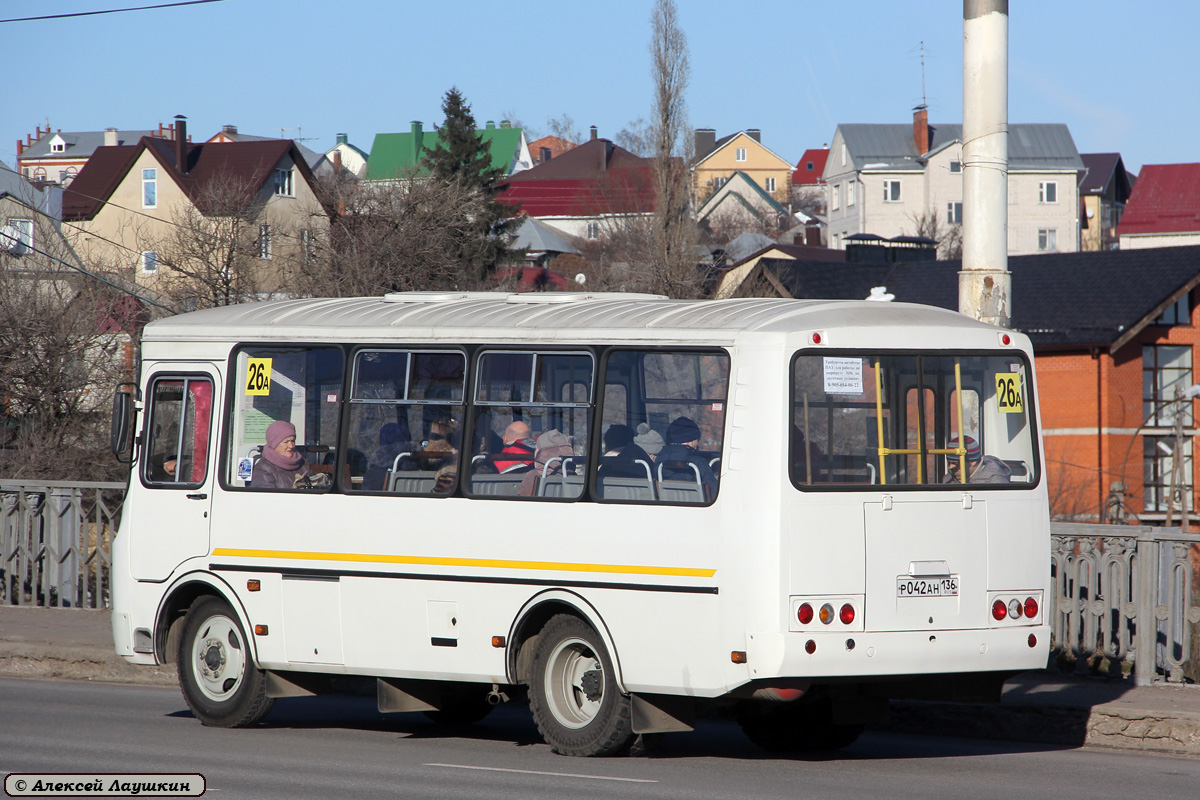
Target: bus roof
x=554 y=315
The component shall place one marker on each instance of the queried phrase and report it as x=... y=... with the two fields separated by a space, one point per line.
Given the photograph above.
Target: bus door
x=175 y=470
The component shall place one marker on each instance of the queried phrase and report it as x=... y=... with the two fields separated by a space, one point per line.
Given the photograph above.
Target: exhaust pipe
x=495 y=697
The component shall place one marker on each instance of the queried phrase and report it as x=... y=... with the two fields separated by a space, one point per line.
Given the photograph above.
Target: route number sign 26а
x=1008 y=392
x=258 y=376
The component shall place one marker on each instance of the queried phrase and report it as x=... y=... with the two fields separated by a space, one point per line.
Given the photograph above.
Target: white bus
x=623 y=505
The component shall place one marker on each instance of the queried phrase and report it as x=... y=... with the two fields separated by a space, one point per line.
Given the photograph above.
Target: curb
x=80 y=664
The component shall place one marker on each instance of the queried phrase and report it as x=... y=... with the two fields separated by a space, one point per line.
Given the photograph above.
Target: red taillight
x=804 y=613
x=1031 y=607
x=846 y=615
x=816 y=338
x=1032 y=640
x=810 y=647
x=1005 y=338
x=999 y=610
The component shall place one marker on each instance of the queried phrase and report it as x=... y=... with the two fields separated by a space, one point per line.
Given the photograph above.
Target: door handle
x=198 y=496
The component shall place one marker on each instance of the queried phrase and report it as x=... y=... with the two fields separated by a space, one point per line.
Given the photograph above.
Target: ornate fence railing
x=1126 y=594
x=56 y=542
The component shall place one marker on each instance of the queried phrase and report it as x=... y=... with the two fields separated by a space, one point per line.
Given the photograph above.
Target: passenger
x=162 y=468
x=649 y=440
x=281 y=465
x=393 y=440
x=620 y=454
x=551 y=445
x=683 y=436
x=518 y=441
x=983 y=469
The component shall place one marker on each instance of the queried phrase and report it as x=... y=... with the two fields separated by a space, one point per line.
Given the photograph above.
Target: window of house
x=68 y=176
x=264 y=241
x=954 y=213
x=835 y=197
x=150 y=188
x=837 y=241
x=1166 y=368
x=1158 y=460
x=810 y=166
x=17 y=236
x=770 y=184
x=741 y=154
x=300 y=385
x=57 y=147
x=283 y=183
x=1048 y=192
x=39 y=174
x=1047 y=238
x=850 y=192
x=406 y=420
x=308 y=244
x=149 y=261
x=891 y=191
x=956 y=166
x=1179 y=313
x=593 y=230
x=719 y=182
x=843 y=149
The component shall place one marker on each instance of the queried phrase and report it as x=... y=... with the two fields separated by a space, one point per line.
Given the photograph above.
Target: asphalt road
x=341 y=747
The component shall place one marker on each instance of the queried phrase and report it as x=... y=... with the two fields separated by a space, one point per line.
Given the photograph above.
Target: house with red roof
x=587 y=188
x=810 y=166
x=1164 y=208
x=204 y=224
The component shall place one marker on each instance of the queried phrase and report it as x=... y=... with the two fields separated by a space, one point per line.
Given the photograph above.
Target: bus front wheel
x=575 y=700
x=220 y=682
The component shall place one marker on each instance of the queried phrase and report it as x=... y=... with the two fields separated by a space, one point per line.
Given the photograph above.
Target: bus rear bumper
x=893 y=653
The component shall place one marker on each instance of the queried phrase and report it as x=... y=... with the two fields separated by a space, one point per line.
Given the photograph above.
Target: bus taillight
x=1014 y=608
x=847 y=614
x=999 y=610
x=826 y=614
x=1031 y=607
x=804 y=613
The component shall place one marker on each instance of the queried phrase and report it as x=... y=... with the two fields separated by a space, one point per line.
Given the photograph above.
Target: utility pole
x=984 y=284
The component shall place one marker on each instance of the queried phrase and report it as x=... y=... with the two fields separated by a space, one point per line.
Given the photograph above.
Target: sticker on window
x=843 y=375
x=258 y=376
x=1008 y=393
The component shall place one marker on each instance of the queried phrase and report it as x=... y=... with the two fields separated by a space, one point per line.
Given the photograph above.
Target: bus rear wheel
x=575 y=700
x=796 y=727
x=220 y=682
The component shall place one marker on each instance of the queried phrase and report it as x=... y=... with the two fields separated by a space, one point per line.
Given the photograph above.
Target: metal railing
x=1124 y=593
x=56 y=542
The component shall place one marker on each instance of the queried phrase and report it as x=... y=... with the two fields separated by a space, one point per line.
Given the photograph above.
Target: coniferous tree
x=462 y=157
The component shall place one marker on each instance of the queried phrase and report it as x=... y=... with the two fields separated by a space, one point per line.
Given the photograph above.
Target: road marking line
x=538 y=772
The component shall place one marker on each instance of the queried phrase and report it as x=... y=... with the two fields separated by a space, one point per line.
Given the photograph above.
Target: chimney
x=491 y=126
x=706 y=141
x=755 y=134
x=505 y=123
x=605 y=152
x=341 y=138
x=230 y=129
x=181 y=143
x=110 y=137
x=594 y=132
x=417 y=134
x=337 y=162
x=20 y=148
x=921 y=128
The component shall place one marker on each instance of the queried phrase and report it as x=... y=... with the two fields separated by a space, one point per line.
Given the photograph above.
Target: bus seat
x=1020 y=470
x=680 y=491
x=496 y=485
x=627 y=488
x=563 y=483
x=412 y=481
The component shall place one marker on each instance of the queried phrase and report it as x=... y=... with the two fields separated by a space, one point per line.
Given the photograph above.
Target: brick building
x=1115 y=335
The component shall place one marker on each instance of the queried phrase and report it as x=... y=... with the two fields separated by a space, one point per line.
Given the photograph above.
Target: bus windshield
x=898 y=419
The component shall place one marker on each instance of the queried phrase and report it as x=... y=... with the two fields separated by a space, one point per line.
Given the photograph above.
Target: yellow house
x=717 y=159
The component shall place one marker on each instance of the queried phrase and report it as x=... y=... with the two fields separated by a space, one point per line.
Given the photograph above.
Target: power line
x=105 y=281
x=111 y=11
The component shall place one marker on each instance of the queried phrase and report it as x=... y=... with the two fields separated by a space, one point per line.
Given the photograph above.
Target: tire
x=796 y=727
x=462 y=704
x=575 y=700
x=221 y=684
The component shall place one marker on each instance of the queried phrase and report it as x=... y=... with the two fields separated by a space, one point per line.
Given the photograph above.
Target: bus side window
x=179 y=426
x=664 y=426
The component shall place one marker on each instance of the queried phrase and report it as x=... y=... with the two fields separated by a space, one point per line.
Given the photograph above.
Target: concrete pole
x=984 y=285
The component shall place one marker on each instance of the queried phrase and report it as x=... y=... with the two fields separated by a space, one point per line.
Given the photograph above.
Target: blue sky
x=1123 y=76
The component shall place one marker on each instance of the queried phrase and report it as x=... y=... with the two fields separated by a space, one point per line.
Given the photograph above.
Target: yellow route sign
x=258 y=376
x=1008 y=392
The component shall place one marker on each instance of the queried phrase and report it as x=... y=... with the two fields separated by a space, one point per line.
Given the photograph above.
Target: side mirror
x=121 y=435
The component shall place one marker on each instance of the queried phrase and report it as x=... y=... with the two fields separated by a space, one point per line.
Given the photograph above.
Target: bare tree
x=397 y=237
x=674 y=270
x=948 y=235
x=636 y=137
x=564 y=127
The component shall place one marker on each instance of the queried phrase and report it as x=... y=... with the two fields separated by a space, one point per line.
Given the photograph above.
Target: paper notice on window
x=843 y=375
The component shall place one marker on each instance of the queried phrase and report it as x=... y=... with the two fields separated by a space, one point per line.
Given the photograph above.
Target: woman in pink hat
x=281 y=465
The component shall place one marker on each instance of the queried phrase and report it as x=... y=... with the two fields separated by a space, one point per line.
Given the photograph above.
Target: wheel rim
x=218 y=658
x=574 y=683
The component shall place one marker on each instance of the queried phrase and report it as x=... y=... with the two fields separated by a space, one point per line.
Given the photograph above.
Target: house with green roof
x=395 y=155
x=741 y=205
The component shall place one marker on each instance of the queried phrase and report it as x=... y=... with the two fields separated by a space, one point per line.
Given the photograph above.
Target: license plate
x=907 y=586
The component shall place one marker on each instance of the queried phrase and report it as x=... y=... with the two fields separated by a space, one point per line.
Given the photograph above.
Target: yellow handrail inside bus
x=883 y=451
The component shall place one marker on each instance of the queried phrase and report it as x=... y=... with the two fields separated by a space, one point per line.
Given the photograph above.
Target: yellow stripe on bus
x=557 y=566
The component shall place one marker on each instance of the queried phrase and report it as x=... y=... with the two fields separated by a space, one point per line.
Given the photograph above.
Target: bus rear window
x=911 y=420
